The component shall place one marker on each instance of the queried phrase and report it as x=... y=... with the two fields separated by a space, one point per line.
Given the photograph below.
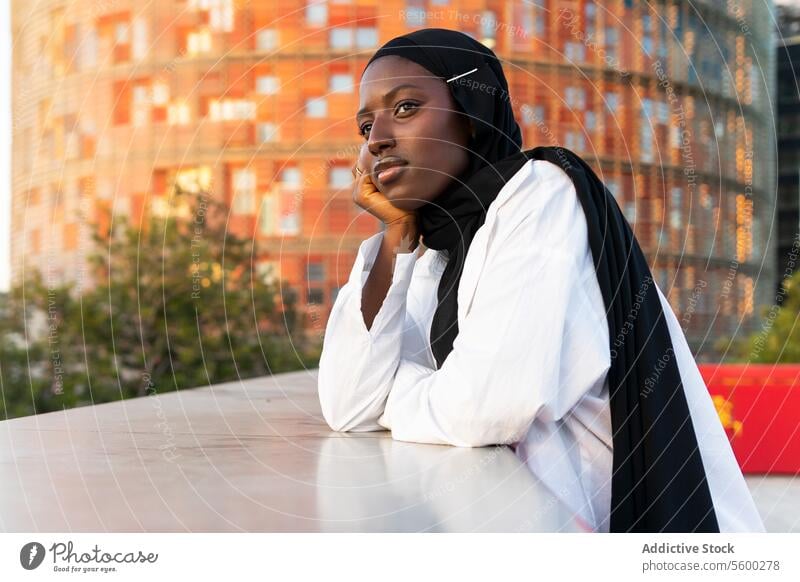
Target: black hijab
x=658 y=483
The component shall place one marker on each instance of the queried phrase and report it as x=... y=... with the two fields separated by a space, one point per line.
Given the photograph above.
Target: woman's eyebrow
x=389 y=94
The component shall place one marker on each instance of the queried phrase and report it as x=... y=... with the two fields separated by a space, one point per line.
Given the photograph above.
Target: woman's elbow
x=337 y=420
x=348 y=422
x=342 y=415
x=336 y=416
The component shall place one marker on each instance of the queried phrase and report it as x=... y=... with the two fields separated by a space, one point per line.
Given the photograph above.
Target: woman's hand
x=367 y=196
x=401 y=235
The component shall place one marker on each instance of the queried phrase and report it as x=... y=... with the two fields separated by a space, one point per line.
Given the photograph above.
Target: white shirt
x=529 y=365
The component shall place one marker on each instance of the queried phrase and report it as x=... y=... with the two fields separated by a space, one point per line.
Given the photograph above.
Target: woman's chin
x=403 y=200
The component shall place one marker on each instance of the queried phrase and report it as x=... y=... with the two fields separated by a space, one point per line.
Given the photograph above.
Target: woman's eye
x=406 y=103
x=364 y=129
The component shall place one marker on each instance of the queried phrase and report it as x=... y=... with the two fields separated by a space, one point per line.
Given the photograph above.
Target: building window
x=291 y=178
x=88 y=49
x=662 y=112
x=575 y=141
x=646 y=131
x=630 y=211
x=141 y=105
x=488 y=27
x=244 y=191
x=340 y=177
x=267 y=132
x=575 y=51
x=315 y=272
x=647 y=29
x=317 y=107
x=755 y=83
x=72 y=145
x=140 y=40
x=612 y=102
x=289 y=220
x=590 y=16
x=193 y=180
x=315 y=296
x=198 y=42
x=646 y=138
x=675 y=214
x=532 y=114
x=220 y=14
x=341 y=83
x=415 y=13
x=340 y=37
x=278 y=215
x=611 y=41
x=160 y=93
x=267 y=39
x=590 y=121
x=268 y=214
x=267 y=85
x=529 y=21
x=663 y=237
x=366 y=37
x=105 y=189
x=231 y=109
x=317 y=13
x=675 y=136
x=178 y=113
x=576 y=98
x=613 y=188
x=121 y=33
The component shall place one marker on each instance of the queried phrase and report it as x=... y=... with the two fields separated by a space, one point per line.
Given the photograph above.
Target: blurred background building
x=788 y=111
x=254 y=102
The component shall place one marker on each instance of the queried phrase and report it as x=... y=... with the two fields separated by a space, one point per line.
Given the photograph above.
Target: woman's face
x=410 y=121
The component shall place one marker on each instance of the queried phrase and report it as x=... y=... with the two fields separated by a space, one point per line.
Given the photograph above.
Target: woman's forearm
x=399 y=237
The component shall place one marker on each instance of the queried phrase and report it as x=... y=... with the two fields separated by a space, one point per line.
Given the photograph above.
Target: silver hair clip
x=461 y=75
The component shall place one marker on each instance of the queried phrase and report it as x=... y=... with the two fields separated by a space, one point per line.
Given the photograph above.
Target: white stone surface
x=778 y=500
x=252 y=456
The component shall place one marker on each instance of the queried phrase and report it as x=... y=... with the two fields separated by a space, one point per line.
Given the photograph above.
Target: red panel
x=759 y=406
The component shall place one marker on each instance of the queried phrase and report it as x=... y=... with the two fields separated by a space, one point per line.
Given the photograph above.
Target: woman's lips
x=390 y=174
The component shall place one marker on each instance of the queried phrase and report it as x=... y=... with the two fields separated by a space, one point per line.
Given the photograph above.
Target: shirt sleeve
x=504 y=368
x=357 y=365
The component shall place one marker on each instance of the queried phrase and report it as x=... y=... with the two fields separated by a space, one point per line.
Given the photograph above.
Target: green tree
x=777 y=340
x=32 y=373
x=176 y=303
x=22 y=393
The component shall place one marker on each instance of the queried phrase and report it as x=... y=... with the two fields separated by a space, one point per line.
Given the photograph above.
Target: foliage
x=777 y=340
x=175 y=303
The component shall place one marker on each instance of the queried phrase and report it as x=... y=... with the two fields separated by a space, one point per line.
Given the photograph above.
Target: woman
x=531 y=319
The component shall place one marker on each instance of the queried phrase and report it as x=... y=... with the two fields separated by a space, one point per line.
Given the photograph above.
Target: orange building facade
x=253 y=103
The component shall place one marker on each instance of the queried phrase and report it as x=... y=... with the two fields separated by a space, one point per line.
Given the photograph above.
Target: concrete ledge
x=254 y=455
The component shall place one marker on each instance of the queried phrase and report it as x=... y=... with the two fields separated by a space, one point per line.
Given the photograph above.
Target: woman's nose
x=380 y=136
